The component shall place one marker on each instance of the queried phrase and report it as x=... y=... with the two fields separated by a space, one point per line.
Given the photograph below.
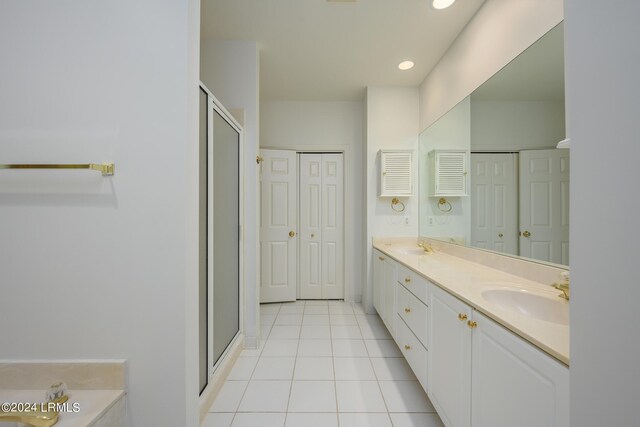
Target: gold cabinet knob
x=526 y=233
x=407 y=280
x=462 y=316
x=472 y=324
x=292 y=233
x=313 y=235
x=407 y=310
x=407 y=347
x=500 y=235
x=381 y=258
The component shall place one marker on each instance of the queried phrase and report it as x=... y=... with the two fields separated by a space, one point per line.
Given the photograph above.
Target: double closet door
x=302 y=226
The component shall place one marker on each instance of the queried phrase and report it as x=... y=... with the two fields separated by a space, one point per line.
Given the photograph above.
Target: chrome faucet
x=37 y=415
x=563 y=286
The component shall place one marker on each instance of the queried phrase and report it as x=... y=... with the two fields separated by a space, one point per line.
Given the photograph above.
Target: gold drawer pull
x=407 y=347
x=462 y=316
x=381 y=258
x=407 y=280
x=407 y=310
x=472 y=324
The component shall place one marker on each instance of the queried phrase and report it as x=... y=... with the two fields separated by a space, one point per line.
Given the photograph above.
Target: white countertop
x=468 y=280
x=92 y=404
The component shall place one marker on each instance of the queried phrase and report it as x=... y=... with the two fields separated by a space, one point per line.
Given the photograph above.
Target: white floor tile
x=313 y=368
x=312 y=420
x=375 y=332
x=317 y=302
x=341 y=309
x=280 y=348
x=345 y=332
x=253 y=352
x=392 y=369
x=289 y=319
x=274 y=368
x=312 y=332
x=349 y=368
x=315 y=319
x=312 y=396
x=358 y=308
x=359 y=396
x=314 y=348
x=364 y=420
x=342 y=319
x=266 y=396
x=291 y=309
x=337 y=302
x=259 y=419
x=243 y=368
x=405 y=396
x=265 y=330
x=218 y=420
x=349 y=348
x=285 y=332
x=269 y=308
x=382 y=348
x=316 y=309
x=415 y=420
x=369 y=319
x=268 y=319
x=229 y=396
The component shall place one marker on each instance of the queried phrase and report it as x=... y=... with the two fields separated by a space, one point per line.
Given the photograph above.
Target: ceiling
x=316 y=50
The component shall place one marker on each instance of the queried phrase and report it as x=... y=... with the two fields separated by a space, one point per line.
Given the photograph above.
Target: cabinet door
x=390 y=295
x=514 y=383
x=378 y=281
x=449 y=377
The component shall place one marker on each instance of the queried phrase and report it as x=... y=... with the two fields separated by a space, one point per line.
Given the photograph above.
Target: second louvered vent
x=448 y=175
x=395 y=173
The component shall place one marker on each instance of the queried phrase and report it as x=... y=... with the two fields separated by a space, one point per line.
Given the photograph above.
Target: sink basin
x=530 y=305
x=410 y=251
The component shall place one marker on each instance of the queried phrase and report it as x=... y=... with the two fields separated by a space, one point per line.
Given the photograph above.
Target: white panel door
x=321 y=226
x=494 y=202
x=278 y=217
x=544 y=205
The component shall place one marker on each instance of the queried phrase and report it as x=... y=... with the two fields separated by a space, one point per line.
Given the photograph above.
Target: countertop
x=468 y=280
x=91 y=404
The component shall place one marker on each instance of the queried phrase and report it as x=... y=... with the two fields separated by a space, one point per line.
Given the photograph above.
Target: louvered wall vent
x=395 y=173
x=448 y=173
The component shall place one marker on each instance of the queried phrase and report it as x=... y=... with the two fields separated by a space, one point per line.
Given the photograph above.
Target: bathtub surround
x=76 y=374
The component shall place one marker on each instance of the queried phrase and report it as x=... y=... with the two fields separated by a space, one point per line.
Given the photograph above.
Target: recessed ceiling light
x=442 y=4
x=406 y=65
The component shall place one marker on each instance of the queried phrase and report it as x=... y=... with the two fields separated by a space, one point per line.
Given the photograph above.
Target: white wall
x=452 y=132
x=499 y=32
x=601 y=73
x=332 y=125
x=231 y=70
x=94 y=267
x=516 y=125
x=391 y=122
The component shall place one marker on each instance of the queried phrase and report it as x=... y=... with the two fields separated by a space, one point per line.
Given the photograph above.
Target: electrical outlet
x=406 y=220
x=430 y=220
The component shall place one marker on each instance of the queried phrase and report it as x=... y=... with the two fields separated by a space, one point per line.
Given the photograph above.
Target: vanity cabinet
x=482 y=375
x=449 y=374
x=411 y=329
x=384 y=289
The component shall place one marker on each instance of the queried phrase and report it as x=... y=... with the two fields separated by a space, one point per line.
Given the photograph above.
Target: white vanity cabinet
x=449 y=374
x=513 y=382
x=384 y=289
x=482 y=375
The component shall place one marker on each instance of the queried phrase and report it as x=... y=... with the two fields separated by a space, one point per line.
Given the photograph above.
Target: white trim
x=349 y=287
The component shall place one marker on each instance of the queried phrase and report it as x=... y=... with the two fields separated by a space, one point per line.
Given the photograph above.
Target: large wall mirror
x=517 y=180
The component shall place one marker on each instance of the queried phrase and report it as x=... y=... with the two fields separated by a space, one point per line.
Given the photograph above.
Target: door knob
x=526 y=233
x=313 y=235
x=292 y=233
x=500 y=235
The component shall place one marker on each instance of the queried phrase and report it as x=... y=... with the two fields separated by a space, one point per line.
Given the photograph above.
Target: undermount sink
x=410 y=251
x=529 y=304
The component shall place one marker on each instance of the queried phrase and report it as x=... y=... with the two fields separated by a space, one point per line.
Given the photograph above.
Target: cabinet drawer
x=415 y=283
x=414 y=313
x=413 y=351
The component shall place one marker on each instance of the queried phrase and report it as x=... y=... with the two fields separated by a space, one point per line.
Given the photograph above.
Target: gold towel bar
x=106 y=168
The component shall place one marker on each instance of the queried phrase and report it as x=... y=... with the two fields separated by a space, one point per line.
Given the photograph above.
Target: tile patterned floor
x=322 y=364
